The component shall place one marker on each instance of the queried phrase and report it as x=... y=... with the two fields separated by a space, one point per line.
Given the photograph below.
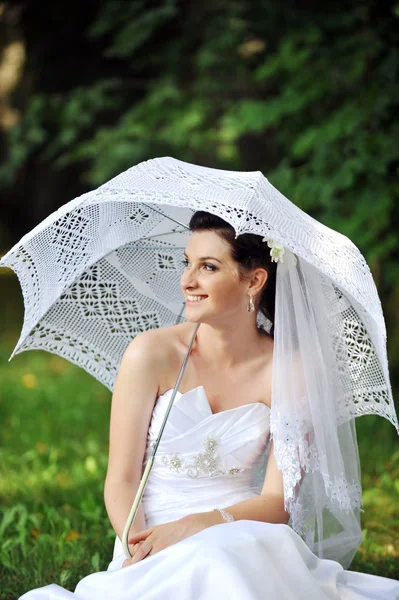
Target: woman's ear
x=258 y=279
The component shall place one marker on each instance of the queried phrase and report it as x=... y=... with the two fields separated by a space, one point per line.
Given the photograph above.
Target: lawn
x=53 y=456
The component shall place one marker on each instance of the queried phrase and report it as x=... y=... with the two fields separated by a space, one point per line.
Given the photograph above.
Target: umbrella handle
x=147 y=470
x=135 y=507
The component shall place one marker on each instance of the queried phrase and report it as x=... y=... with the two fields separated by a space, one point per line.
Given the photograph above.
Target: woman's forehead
x=206 y=242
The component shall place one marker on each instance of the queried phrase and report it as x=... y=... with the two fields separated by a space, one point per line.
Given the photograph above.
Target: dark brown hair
x=249 y=252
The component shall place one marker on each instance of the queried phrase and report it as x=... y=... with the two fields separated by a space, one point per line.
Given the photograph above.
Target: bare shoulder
x=159 y=349
x=159 y=343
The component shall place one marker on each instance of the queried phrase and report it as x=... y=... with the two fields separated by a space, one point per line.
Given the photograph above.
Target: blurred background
x=306 y=92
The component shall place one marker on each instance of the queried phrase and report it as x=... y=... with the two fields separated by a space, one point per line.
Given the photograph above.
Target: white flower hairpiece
x=277 y=250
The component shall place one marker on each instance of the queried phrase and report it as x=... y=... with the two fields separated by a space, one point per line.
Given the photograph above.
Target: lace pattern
x=205 y=464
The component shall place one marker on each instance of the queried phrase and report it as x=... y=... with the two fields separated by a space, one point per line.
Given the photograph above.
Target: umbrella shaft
x=147 y=470
x=135 y=507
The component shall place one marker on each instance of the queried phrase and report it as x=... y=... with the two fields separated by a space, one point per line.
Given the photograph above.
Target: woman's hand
x=133 y=549
x=150 y=541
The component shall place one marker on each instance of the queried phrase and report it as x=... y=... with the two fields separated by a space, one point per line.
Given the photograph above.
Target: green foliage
x=38 y=133
x=53 y=457
x=131 y=25
x=314 y=92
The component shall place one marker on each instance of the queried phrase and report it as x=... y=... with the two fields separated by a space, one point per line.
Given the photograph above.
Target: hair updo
x=249 y=252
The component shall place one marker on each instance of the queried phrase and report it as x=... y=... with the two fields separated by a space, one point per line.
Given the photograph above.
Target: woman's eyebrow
x=206 y=258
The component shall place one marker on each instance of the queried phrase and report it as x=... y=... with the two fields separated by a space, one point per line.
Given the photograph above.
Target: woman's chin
x=194 y=314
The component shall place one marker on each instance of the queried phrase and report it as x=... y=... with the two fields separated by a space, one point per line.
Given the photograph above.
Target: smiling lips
x=195 y=298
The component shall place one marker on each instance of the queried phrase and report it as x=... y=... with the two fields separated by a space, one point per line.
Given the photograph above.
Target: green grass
x=53 y=524
x=53 y=456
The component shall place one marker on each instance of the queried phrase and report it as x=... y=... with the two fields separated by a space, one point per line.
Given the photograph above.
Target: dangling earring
x=251 y=305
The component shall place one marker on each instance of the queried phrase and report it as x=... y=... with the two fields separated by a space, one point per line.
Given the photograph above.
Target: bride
x=207 y=527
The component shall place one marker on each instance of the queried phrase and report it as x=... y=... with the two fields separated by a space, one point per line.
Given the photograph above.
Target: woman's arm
x=135 y=391
x=119 y=498
x=267 y=507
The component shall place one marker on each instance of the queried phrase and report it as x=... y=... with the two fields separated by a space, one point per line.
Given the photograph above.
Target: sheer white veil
x=324 y=360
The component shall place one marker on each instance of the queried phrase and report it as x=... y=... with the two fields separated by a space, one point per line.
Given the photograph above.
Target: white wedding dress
x=207 y=460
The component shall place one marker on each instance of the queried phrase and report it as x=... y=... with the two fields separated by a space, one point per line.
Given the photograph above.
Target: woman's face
x=210 y=281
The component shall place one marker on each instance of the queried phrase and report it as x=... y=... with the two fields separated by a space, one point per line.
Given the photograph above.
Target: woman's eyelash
x=213 y=268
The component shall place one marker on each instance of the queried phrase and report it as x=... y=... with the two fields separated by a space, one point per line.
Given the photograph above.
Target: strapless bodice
x=204 y=459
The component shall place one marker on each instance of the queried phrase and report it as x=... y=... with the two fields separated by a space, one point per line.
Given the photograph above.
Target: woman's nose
x=188 y=278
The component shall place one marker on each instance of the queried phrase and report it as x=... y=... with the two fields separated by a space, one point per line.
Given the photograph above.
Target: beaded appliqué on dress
x=203 y=463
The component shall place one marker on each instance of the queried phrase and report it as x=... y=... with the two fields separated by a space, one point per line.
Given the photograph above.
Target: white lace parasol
x=107 y=266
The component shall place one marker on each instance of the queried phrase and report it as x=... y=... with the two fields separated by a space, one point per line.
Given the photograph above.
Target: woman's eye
x=211 y=267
